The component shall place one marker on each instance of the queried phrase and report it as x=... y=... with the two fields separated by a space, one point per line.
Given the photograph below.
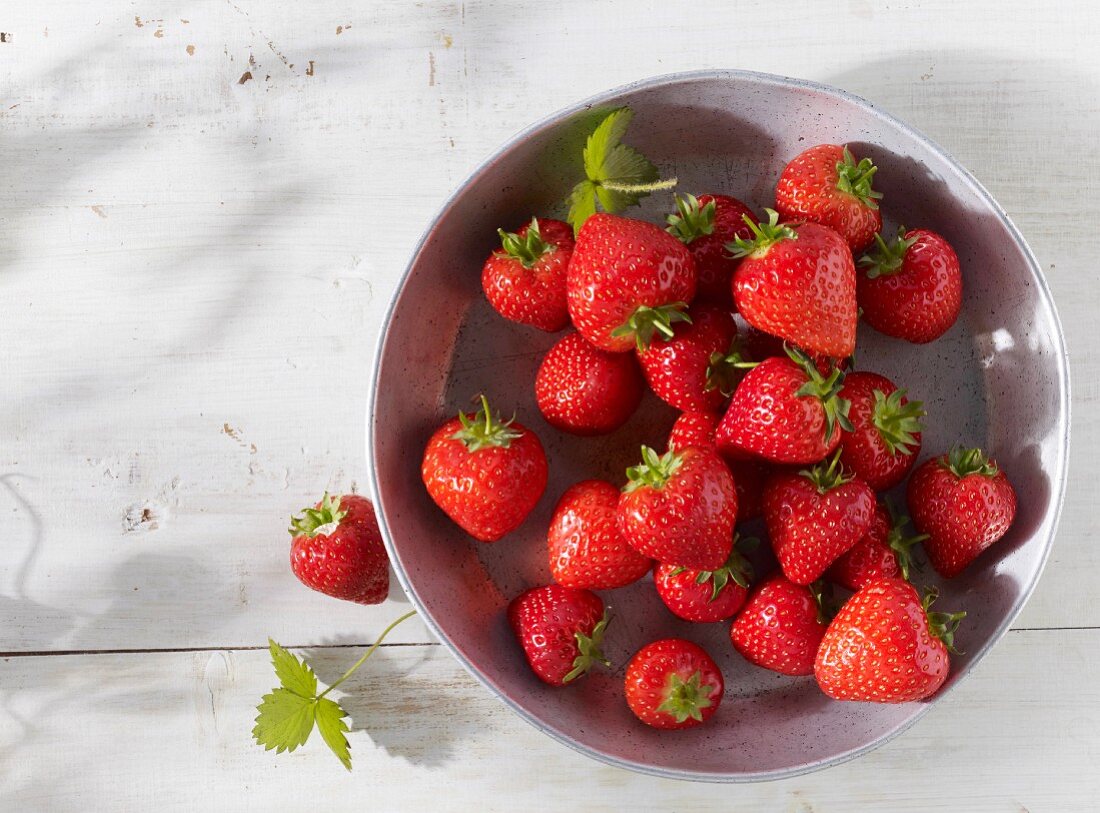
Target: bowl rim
x=1064 y=411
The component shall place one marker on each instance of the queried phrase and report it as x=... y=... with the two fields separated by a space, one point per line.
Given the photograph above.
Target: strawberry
x=815 y=516
x=337 y=550
x=695 y=370
x=680 y=508
x=585 y=546
x=884 y=646
x=756 y=345
x=673 y=683
x=705 y=224
x=586 y=391
x=485 y=474
x=704 y=595
x=698 y=429
x=884 y=441
x=964 y=502
x=826 y=185
x=561 y=631
x=911 y=288
x=786 y=411
x=798 y=281
x=524 y=280
x=780 y=626
x=883 y=552
x=628 y=280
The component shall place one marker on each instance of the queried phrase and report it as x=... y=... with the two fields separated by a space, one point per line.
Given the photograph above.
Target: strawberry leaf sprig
x=289 y=713
x=616 y=175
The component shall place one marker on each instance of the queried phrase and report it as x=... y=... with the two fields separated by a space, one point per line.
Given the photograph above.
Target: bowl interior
x=996 y=380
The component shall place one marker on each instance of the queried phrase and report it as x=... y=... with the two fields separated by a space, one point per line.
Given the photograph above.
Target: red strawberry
x=586 y=391
x=826 y=185
x=815 y=516
x=680 y=508
x=561 y=631
x=798 y=281
x=882 y=553
x=885 y=647
x=912 y=288
x=627 y=281
x=698 y=429
x=704 y=595
x=780 y=627
x=524 y=280
x=785 y=411
x=705 y=224
x=337 y=550
x=485 y=474
x=586 y=548
x=673 y=683
x=756 y=345
x=964 y=502
x=884 y=441
x=696 y=368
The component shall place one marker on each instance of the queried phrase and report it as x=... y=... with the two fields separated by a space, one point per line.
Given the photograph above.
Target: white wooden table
x=204 y=207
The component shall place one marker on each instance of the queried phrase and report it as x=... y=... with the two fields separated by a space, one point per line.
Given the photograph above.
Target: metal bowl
x=998 y=379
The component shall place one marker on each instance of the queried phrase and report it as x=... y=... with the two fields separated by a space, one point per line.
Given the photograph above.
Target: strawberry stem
x=736 y=567
x=897 y=422
x=822 y=594
x=528 y=248
x=639 y=188
x=725 y=371
x=827 y=477
x=961 y=462
x=589 y=647
x=319 y=521
x=765 y=235
x=483 y=430
x=887 y=258
x=900 y=542
x=824 y=389
x=941 y=625
x=654 y=471
x=685 y=699
x=367 y=654
x=692 y=219
x=645 y=322
x=855 y=179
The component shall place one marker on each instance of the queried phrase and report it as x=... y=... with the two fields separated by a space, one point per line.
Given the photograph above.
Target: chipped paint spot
x=340 y=29
x=448 y=40
x=231 y=431
x=431 y=69
x=5 y=36
x=309 y=70
x=99 y=211
x=185 y=22
x=138 y=22
x=244 y=77
x=190 y=50
x=158 y=33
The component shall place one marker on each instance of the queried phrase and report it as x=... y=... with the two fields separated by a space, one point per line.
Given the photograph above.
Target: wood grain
x=424 y=731
x=204 y=208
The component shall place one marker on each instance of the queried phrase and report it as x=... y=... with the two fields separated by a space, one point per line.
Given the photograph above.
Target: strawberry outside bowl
x=998 y=379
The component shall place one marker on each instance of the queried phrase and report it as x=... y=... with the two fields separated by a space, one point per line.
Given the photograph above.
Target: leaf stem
x=367 y=654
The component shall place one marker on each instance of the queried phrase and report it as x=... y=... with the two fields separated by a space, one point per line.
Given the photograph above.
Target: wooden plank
x=195 y=268
x=136 y=732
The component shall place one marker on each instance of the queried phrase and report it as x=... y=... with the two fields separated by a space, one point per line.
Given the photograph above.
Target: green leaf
x=294 y=674
x=618 y=176
x=320 y=521
x=330 y=722
x=285 y=720
x=582 y=204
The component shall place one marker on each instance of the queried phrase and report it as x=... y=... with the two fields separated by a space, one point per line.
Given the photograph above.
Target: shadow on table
x=392 y=696
x=1037 y=166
